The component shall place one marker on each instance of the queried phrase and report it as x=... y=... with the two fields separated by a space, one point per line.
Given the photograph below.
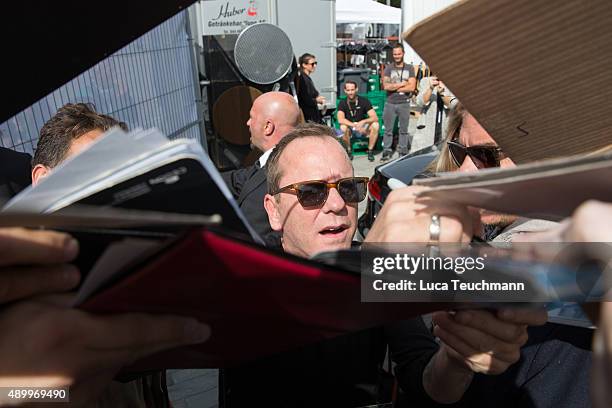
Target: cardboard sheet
x=535 y=73
x=546 y=190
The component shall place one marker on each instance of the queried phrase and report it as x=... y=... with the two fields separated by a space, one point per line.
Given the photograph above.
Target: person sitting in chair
x=357 y=118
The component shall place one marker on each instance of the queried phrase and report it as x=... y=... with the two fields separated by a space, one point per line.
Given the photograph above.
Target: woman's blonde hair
x=445 y=162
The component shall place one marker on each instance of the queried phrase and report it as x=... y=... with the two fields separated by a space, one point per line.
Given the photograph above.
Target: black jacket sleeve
x=412 y=346
x=15 y=173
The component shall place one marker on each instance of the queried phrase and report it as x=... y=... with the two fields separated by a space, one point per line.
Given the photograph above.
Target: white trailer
x=310 y=25
x=414 y=11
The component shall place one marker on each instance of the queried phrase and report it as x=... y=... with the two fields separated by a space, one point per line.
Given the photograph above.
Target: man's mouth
x=334 y=230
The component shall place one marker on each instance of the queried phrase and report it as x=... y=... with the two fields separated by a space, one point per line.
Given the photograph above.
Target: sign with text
x=522 y=273
x=232 y=16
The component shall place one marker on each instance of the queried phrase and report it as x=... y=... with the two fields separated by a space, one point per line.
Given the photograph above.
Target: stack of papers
x=545 y=190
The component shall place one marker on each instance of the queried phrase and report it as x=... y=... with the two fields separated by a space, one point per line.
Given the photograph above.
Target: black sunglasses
x=314 y=193
x=483 y=157
x=312 y=63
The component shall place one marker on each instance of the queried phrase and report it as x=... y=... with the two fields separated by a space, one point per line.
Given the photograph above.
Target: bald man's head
x=273 y=115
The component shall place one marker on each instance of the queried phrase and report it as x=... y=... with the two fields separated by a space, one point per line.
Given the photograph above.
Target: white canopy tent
x=366 y=11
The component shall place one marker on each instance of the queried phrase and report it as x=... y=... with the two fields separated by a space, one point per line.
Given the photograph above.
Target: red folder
x=257 y=302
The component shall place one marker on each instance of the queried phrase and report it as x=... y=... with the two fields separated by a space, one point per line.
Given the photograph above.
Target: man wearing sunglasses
x=312 y=193
x=312 y=202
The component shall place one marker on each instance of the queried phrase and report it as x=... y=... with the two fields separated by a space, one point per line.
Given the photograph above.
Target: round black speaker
x=263 y=53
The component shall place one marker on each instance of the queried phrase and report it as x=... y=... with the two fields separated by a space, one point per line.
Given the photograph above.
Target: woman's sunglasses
x=314 y=193
x=482 y=156
x=312 y=63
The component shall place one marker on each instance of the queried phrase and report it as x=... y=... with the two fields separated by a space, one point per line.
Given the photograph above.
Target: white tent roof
x=366 y=11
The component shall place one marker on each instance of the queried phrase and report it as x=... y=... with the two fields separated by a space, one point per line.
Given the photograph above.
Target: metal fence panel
x=147 y=83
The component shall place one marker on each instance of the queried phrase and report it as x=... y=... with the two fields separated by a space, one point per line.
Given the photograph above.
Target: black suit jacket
x=15 y=173
x=248 y=186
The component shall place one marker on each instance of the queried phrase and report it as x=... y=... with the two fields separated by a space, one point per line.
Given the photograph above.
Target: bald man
x=273 y=115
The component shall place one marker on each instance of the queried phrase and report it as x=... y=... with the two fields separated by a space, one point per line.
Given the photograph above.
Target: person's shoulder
x=388 y=70
x=366 y=103
x=15 y=165
x=343 y=107
x=14 y=157
x=15 y=172
x=252 y=169
x=239 y=175
x=364 y=99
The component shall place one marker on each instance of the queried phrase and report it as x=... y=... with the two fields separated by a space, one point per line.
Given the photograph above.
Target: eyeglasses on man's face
x=314 y=193
x=483 y=156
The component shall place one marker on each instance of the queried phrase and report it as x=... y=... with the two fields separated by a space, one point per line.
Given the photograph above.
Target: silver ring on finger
x=434 y=230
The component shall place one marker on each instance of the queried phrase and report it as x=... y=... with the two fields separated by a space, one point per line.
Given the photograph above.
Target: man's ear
x=274 y=217
x=39 y=172
x=269 y=128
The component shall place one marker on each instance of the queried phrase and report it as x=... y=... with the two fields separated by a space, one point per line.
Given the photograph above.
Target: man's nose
x=335 y=202
x=468 y=165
